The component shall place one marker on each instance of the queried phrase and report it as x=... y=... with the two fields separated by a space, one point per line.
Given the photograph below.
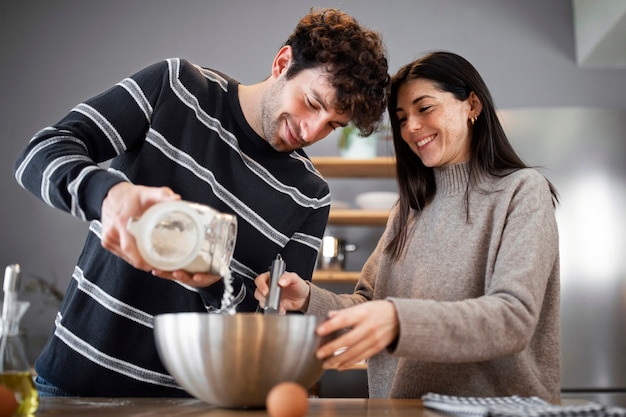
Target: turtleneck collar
x=452 y=179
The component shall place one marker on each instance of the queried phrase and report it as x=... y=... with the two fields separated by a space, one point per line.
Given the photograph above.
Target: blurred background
x=556 y=69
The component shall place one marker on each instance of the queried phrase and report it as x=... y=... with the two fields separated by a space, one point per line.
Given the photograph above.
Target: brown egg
x=8 y=403
x=287 y=399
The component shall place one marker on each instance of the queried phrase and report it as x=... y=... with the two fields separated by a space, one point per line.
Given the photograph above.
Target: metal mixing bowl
x=233 y=361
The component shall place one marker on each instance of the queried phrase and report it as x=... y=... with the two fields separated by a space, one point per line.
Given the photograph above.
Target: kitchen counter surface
x=158 y=407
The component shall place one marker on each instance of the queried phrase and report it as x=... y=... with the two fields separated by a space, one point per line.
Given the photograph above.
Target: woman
x=461 y=294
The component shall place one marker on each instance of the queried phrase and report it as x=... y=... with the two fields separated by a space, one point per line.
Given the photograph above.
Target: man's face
x=300 y=111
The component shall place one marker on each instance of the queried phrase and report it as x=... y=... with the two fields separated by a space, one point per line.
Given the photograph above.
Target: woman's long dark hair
x=491 y=152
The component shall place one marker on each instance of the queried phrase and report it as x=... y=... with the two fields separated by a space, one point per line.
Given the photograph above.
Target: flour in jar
x=171 y=243
x=174 y=235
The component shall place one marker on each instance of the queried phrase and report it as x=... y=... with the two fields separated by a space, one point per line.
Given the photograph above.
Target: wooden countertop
x=162 y=407
x=158 y=407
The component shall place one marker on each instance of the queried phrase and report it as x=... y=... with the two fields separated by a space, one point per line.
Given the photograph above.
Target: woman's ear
x=476 y=107
x=281 y=61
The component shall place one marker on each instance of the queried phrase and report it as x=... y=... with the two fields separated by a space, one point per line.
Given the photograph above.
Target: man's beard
x=271 y=119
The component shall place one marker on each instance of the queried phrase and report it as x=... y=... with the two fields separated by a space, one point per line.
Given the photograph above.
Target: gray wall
x=58 y=53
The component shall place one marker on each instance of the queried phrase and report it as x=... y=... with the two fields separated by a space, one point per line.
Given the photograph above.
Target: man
x=174 y=131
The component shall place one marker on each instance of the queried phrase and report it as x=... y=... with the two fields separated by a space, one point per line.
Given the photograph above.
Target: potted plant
x=353 y=145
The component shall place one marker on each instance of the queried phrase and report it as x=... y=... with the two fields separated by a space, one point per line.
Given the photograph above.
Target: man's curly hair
x=355 y=58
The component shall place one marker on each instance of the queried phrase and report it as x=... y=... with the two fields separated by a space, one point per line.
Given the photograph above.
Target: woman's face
x=434 y=123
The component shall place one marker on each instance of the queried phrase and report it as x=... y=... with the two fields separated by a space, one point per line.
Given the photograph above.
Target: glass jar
x=176 y=235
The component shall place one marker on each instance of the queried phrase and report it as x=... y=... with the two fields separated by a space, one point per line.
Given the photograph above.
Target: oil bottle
x=15 y=370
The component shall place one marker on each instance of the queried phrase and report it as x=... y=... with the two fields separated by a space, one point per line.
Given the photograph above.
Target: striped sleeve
x=61 y=165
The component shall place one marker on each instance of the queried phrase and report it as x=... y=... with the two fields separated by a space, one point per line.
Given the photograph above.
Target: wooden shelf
x=358 y=217
x=336 y=166
x=335 y=277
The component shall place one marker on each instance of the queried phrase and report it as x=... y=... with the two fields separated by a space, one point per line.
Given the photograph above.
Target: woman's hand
x=294 y=294
x=371 y=327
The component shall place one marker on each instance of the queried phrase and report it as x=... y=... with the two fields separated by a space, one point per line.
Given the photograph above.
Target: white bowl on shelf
x=376 y=200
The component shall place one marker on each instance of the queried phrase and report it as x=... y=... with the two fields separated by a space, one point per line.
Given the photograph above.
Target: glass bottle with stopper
x=15 y=373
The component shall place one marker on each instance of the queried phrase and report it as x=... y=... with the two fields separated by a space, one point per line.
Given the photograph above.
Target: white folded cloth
x=515 y=406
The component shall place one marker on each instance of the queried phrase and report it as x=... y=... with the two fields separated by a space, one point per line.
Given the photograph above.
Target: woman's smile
x=425 y=141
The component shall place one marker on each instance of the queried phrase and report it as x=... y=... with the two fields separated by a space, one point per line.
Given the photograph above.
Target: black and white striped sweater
x=179 y=125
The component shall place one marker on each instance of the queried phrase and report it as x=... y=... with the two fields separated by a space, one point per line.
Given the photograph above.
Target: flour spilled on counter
x=101 y=404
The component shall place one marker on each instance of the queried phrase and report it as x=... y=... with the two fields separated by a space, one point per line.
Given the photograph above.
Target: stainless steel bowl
x=233 y=361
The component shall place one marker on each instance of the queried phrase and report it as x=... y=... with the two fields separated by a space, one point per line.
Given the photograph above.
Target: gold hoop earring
x=473 y=119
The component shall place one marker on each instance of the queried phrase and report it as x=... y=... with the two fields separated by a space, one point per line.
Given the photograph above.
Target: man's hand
x=294 y=294
x=126 y=201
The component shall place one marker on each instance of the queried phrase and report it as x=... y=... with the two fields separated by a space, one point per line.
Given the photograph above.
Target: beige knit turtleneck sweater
x=477 y=300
